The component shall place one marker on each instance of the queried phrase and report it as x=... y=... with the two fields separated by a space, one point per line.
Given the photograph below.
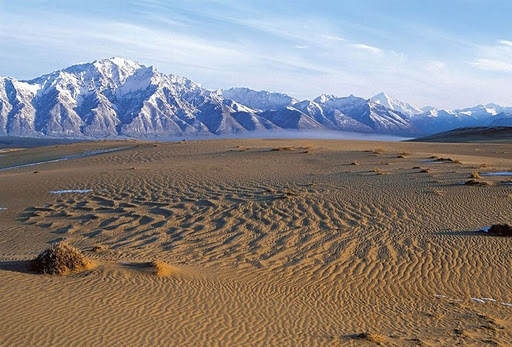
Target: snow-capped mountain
x=366 y=112
x=327 y=111
x=115 y=97
x=259 y=100
x=396 y=105
x=434 y=120
x=118 y=97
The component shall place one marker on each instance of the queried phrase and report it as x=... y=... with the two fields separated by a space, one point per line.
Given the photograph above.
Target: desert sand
x=269 y=242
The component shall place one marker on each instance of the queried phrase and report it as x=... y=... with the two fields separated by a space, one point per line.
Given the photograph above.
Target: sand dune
x=271 y=242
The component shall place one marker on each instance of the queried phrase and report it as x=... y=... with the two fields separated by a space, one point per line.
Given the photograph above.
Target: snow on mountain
x=373 y=115
x=118 y=97
x=259 y=100
x=434 y=120
x=115 y=97
x=395 y=104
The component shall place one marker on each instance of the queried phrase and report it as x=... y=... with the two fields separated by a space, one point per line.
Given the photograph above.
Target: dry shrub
x=448 y=160
x=61 y=259
x=288 y=195
x=98 y=249
x=500 y=230
x=425 y=170
x=370 y=337
x=377 y=171
x=278 y=149
x=355 y=162
x=160 y=268
x=475 y=175
x=436 y=191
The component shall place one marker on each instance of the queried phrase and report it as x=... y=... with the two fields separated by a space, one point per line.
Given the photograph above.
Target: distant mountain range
x=118 y=97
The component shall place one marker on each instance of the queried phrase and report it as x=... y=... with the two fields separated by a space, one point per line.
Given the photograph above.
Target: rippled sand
x=271 y=242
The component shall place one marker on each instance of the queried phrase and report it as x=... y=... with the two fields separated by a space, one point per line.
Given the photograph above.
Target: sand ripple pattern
x=309 y=251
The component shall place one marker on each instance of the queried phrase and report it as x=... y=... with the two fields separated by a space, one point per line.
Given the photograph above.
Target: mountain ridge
x=118 y=97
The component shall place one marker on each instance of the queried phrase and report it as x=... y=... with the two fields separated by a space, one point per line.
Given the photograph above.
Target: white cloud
x=368 y=48
x=496 y=58
x=492 y=65
x=331 y=37
x=260 y=51
x=505 y=43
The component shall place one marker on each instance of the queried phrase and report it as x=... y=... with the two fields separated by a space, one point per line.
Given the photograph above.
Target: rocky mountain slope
x=118 y=97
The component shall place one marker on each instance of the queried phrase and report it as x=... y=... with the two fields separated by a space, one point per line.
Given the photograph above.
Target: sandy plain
x=271 y=242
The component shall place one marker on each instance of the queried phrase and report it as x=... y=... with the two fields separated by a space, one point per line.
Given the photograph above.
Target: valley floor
x=273 y=242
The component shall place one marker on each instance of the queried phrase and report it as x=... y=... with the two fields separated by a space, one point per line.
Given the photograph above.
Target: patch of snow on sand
x=478 y=300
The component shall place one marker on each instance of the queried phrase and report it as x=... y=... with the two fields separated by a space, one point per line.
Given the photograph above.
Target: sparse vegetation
x=60 y=259
x=448 y=160
x=378 y=339
x=500 y=230
x=98 y=249
x=160 y=268
x=288 y=195
x=475 y=175
x=377 y=171
x=278 y=149
x=355 y=162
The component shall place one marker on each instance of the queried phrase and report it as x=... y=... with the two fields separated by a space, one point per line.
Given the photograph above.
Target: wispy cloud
x=497 y=57
x=505 y=43
x=492 y=65
x=336 y=38
x=367 y=48
x=222 y=43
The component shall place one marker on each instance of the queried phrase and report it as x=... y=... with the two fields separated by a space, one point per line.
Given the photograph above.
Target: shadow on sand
x=22 y=266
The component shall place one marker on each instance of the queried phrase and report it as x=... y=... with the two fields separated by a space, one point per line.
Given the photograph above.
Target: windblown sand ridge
x=287 y=247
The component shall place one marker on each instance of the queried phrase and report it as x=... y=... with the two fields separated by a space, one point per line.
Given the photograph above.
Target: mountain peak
x=120 y=62
x=395 y=104
x=260 y=100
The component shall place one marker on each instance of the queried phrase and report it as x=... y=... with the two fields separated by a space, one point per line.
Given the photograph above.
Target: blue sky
x=443 y=53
